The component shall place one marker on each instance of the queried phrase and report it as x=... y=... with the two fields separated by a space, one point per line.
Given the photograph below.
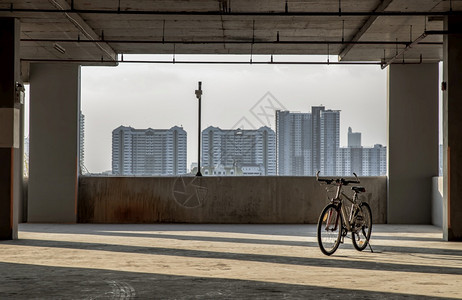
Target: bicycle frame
x=338 y=200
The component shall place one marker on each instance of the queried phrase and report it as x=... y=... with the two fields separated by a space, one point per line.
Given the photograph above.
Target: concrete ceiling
x=356 y=30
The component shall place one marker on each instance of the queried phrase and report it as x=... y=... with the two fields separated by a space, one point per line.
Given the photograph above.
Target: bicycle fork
x=329 y=219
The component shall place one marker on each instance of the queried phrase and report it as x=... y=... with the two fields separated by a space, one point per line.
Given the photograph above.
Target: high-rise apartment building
x=349 y=161
x=364 y=161
x=294 y=143
x=316 y=138
x=375 y=161
x=238 y=151
x=310 y=142
x=354 y=139
x=149 y=151
x=352 y=157
x=330 y=141
x=307 y=142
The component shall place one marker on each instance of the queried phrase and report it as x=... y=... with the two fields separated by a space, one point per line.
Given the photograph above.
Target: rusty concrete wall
x=213 y=199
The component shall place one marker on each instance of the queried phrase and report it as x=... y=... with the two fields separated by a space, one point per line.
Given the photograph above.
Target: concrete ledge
x=278 y=200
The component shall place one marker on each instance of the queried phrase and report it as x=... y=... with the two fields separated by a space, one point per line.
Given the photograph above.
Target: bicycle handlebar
x=338 y=180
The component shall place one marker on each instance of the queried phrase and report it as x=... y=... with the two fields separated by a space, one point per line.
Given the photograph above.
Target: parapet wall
x=274 y=199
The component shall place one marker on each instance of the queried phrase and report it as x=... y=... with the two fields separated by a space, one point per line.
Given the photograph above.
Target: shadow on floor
x=291 y=260
x=166 y=231
x=24 y=281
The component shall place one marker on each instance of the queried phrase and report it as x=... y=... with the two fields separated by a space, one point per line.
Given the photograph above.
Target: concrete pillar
x=412 y=142
x=452 y=130
x=10 y=122
x=54 y=136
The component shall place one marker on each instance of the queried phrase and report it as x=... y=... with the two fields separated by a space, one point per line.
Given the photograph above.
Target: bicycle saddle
x=358 y=189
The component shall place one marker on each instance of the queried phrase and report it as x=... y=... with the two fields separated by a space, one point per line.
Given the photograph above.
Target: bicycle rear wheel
x=330 y=226
x=362 y=227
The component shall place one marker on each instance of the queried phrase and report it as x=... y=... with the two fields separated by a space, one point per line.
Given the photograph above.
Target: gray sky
x=162 y=95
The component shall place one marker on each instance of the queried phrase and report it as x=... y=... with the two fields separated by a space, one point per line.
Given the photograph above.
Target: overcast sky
x=162 y=96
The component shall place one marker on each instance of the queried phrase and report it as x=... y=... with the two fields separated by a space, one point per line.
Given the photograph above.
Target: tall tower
x=354 y=139
x=122 y=151
x=266 y=150
x=330 y=140
x=356 y=156
x=316 y=137
x=308 y=142
x=294 y=143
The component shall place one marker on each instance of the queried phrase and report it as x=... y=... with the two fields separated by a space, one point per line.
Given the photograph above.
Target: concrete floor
x=182 y=261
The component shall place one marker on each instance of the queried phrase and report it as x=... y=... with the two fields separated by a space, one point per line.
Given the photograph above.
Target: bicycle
x=335 y=221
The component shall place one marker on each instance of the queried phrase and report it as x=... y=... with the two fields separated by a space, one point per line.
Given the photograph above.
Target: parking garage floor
x=184 y=261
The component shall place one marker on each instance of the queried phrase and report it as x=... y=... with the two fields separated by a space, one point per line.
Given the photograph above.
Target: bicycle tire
x=362 y=232
x=329 y=230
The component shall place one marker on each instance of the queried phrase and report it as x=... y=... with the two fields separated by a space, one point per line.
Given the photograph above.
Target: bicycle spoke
x=363 y=226
x=329 y=230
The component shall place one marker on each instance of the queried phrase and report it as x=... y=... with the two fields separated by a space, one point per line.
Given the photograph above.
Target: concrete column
x=452 y=130
x=10 y=112
x=54 y=136
x=412 y=142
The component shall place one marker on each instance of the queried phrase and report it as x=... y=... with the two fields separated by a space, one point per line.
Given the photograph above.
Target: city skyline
x=161 y=96
x=303 y=144
x=355 y=136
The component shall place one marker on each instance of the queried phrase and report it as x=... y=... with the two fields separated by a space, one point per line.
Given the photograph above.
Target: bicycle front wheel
x=330 y=226
x=362 y=227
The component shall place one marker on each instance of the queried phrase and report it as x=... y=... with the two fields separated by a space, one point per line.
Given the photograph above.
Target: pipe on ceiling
x=238 y=14
x=79 y=24
x=94 y=61
x=225 y=42
x=387 y=62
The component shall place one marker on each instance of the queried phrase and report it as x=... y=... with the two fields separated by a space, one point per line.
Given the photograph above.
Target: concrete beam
x=85 y=29
x=357 y=36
